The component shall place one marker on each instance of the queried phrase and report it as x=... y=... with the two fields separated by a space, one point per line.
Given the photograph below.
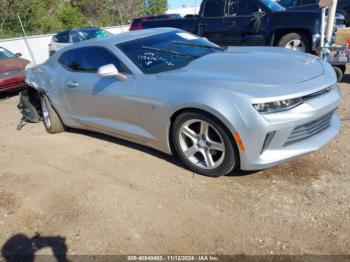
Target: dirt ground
x=94 y=194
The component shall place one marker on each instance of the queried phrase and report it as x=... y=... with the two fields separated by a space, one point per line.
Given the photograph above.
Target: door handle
x=72 y=84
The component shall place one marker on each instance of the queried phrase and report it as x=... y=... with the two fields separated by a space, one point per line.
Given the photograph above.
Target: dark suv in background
x=343 y=8
x=251 y=22
x=136 y=23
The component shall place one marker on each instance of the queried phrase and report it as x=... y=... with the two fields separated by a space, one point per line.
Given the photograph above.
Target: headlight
x=278 y=106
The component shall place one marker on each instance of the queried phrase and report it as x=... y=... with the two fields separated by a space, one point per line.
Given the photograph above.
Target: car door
x=244 y=23
x=101 y=104
x=211 y=21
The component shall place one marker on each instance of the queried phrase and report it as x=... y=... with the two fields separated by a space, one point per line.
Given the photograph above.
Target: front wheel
x=203 y=144
x=296 y=42
x=51 y=120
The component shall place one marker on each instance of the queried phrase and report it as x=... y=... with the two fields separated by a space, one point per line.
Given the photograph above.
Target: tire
x=215 y=155
x=339 y=72
x=51 y=120
x=287 y=41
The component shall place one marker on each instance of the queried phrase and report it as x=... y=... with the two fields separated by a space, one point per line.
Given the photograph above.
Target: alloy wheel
x=202 y=144
x=46 y=114
x=296 y=45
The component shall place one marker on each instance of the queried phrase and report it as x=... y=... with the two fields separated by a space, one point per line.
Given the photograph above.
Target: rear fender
x=30 y=105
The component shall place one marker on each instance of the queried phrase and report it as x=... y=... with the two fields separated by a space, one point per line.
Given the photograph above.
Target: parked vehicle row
x=11 y=71
x=216 y=109
x=340 y=20
x=136 y=23
x=251 y=22
x=343 y=7
x=76 y=35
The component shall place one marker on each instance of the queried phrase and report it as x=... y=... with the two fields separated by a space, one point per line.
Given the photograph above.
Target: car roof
x=76 y=29
x=123 y=37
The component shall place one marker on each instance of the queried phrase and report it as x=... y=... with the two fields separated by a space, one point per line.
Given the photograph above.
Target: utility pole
x=331 y=17
x=26 y=40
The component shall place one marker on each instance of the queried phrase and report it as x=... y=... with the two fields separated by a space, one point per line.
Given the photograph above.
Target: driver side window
x=90 y=59
x=241 y=8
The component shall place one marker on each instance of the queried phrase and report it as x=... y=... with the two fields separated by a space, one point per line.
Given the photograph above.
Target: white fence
x=40 y=44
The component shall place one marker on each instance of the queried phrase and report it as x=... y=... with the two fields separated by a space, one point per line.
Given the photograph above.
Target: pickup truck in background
x=340 y=19
x=343 y=7
x=251 y=22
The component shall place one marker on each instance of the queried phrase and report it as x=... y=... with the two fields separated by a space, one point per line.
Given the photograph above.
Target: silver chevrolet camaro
x=217 y=109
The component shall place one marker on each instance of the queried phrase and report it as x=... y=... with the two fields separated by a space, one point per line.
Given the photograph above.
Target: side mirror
x=18 y=54
x=110 y=71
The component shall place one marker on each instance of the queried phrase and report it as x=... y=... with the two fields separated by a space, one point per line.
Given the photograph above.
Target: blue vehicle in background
x=76 y=35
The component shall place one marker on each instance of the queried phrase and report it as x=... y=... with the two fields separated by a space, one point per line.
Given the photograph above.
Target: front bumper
x=317 y=114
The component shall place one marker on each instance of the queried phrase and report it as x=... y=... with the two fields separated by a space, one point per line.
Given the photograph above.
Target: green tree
x=71 y=17
x=156 y=6
x=50 y=16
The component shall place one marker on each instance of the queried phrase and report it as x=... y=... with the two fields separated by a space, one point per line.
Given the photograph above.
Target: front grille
x=319 y=93
x=308 y=130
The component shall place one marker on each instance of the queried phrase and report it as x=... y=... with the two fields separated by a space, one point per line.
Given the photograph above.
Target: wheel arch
x=277 y=34
x=42 y=92
x=229 y=128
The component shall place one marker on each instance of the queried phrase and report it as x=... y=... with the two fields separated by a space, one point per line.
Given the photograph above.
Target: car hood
x=257 y=66
x=12 y=64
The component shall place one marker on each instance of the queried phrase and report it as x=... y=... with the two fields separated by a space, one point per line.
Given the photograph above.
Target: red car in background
x=136 y=23
x=12 y=69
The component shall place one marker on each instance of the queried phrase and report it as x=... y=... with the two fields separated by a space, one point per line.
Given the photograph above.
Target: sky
x=179 y=3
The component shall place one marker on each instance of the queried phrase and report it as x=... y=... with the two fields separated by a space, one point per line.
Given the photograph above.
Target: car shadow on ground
x=172 y=159
x=169 y=158
x=22 y=248
x=8 y=95
x=346 y=79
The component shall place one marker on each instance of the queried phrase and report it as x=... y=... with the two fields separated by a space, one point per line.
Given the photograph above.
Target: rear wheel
x=51 y=120
x=295 y=41
x=203 y=144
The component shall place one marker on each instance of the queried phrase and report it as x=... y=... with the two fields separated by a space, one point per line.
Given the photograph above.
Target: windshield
x=5 y=53
x=88 y=33
x=287 y=3
x=273 y=6
x=167 y=51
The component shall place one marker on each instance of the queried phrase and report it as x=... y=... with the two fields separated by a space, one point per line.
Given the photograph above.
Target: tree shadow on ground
x=20 y=248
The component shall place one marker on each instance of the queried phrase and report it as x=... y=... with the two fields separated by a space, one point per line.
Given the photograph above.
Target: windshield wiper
x=198 y=45
x=168 y=51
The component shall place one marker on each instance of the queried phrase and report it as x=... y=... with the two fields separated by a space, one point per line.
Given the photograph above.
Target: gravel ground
x=94 y=194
